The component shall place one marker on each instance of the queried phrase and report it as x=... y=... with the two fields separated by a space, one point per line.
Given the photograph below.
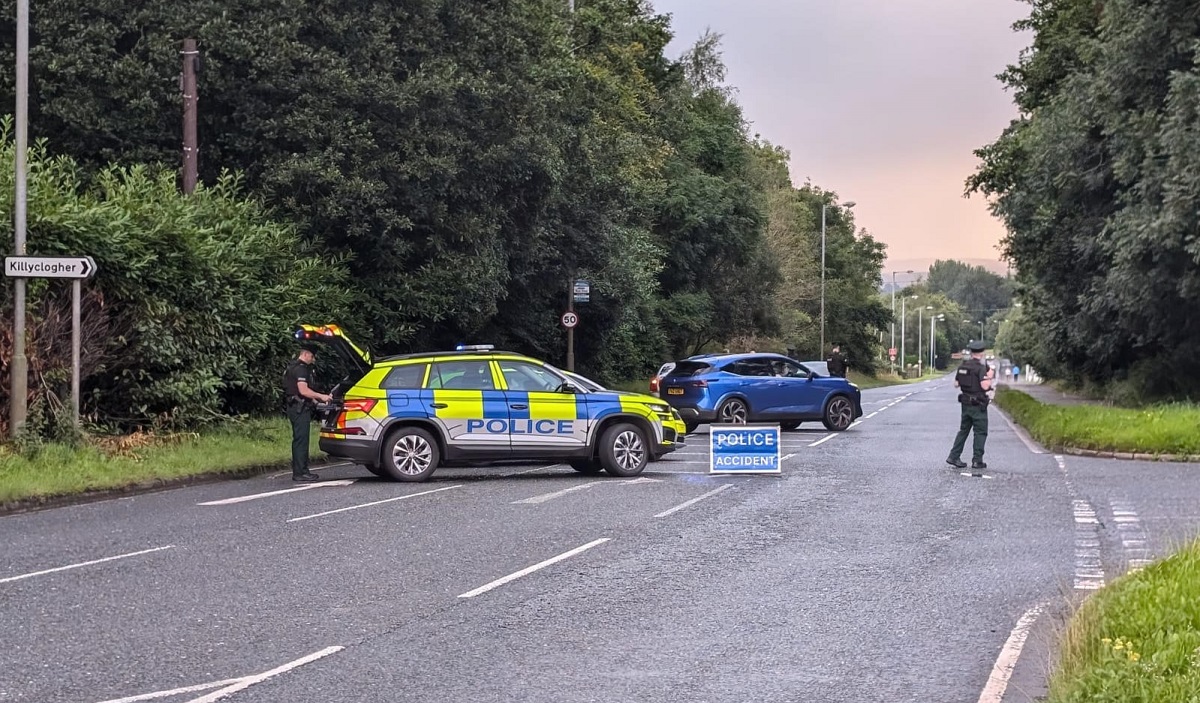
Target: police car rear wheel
x=691 y=427
x=623 y=450
x=411 y=454
x=839 y=414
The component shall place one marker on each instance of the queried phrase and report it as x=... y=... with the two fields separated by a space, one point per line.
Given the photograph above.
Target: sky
x=880 y=101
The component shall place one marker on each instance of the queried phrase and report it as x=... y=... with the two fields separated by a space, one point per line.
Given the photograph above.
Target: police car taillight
x=360 y=405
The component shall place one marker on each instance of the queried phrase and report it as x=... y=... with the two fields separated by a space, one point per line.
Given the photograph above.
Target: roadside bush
x=188 y=317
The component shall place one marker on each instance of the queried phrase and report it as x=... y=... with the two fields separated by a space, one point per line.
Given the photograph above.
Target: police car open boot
x=957 y=463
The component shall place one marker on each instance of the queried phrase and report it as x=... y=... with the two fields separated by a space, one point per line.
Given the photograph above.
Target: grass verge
x=1160 y=429
x=57 y=470
x=1138 y=640
x=884 y=379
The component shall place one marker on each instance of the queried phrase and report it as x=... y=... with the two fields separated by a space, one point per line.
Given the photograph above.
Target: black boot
x=978 y=464
x=956 y=463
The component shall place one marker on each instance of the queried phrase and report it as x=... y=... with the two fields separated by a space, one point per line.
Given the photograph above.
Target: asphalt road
x=868 y=571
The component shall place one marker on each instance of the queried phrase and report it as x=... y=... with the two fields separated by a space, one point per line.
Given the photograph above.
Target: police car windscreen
x=689 y=368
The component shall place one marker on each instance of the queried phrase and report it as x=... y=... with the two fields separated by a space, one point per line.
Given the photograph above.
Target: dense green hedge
x=189 y=315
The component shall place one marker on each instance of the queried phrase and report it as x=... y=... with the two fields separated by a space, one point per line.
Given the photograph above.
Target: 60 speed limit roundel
x=569 y=319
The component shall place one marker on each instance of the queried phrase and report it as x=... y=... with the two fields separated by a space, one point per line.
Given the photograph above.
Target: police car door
x=468 y=406
x=542 y=416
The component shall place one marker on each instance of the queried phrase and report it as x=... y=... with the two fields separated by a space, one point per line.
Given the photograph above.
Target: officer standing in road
x=974 y=380
x=300 y=397
x=836 y=362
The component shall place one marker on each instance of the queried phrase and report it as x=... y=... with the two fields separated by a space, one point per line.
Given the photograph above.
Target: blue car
x=741 y=388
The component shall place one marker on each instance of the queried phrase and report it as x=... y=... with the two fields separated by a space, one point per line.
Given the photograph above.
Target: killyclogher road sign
x=49 y=266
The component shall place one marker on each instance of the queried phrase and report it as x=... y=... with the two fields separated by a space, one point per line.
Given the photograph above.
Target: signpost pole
x=76 y=268
x=571 y=329
x=75 y=344
x=20 y=366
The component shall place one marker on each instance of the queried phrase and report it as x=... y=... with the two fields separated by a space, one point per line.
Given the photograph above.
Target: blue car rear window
x=689 y=368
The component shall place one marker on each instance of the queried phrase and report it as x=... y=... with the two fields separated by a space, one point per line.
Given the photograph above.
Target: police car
x=403 y=416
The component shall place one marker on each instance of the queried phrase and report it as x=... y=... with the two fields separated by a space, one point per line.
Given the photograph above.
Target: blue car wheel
x=734 y=411
x=839 y=414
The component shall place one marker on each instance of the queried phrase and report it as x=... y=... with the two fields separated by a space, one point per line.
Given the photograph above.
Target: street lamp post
x=903 y=319
x=920 y=327
x=894 y=315
x=824 y=206
x=933 y=340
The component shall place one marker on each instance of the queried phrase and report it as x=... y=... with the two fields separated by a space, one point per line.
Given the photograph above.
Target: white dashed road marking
x=1089 y=569
x=376 y=502
x=1134 y=540
x=693 y=501
x=83 y=564
x=268 y=494
x=529 y=570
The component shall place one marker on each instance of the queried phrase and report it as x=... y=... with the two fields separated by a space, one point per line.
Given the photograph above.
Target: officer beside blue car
x=973 y=380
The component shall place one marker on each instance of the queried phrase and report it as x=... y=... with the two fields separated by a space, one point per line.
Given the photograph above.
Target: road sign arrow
x=49 y=266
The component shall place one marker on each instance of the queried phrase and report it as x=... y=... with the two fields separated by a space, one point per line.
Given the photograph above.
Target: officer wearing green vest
x=973 y=380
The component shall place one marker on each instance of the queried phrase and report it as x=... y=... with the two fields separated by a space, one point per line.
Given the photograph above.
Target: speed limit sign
x=569 y=319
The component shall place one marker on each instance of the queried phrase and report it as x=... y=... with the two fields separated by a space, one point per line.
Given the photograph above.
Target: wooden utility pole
x=191 y=150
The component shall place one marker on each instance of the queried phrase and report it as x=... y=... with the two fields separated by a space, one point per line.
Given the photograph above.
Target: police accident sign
x=744 y=449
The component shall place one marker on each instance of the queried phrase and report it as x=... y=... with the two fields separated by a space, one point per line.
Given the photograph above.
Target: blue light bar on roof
x=475 y=347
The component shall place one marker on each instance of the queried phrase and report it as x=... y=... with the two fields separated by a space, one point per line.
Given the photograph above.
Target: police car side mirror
x=568 y=387
x=811 y=375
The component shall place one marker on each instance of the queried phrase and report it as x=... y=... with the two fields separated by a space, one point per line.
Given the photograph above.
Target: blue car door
x=767 y=388
x=795 y=395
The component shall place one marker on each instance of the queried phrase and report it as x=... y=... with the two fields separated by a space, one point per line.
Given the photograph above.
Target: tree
x=1095 y=182
x=977 y=291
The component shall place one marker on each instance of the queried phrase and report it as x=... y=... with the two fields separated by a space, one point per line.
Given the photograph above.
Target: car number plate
x=674 y=391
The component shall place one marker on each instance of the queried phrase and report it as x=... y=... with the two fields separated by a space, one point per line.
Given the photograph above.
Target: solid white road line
x=693 y=501
x=785 y=457
x=551 y=496
x=82 y=564
x=268 y=494
x=259 y=678
x=377 y=502
x=174 y=691
x=530 y=569
x=824 y=439
x=997 y=683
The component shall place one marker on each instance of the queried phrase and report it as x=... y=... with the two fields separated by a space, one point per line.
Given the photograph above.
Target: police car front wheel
x=623 y=450
x=410 y=454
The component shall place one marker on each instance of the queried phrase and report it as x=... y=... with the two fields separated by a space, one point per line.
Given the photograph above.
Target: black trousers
x=300 y=415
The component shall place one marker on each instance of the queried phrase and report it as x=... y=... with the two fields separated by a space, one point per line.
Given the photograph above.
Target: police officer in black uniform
x=836 y=362
x=974 y=380
x=301 y=400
